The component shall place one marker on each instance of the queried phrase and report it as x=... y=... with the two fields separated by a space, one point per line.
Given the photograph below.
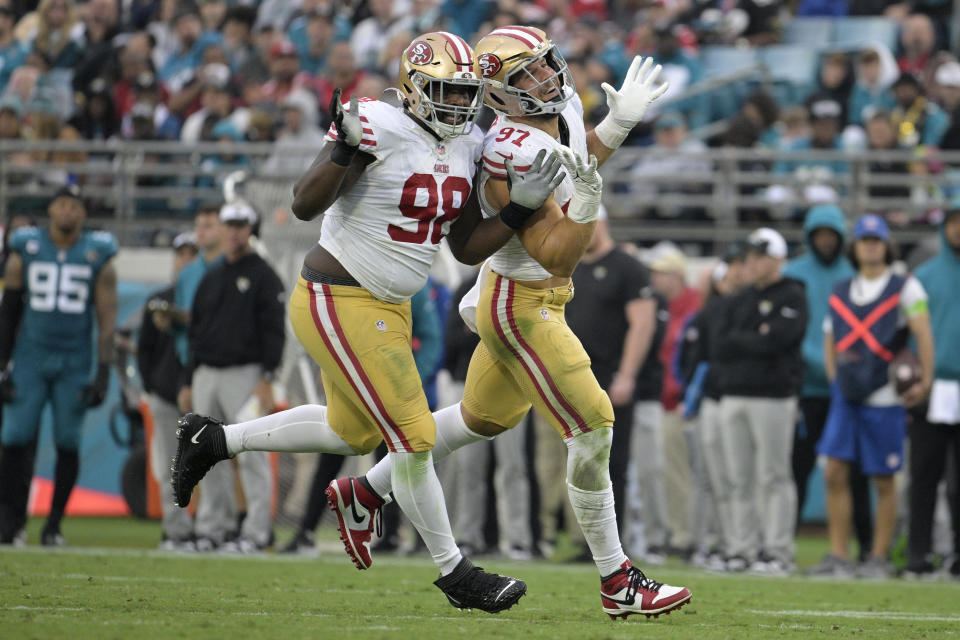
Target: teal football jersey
x=58 y=287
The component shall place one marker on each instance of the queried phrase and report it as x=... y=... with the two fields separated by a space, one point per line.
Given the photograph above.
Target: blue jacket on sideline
x=819 y=279
x=939 y=276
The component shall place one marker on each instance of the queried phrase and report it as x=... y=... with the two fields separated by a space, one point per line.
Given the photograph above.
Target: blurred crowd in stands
x=218 y=70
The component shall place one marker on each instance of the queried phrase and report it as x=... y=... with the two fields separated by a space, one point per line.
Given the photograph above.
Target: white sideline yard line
x=26 y=608
x=466 y=617
x=94 y=576
x=908 y=616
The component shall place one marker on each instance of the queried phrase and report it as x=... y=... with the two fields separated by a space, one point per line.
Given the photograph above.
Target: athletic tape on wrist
x=610 y=133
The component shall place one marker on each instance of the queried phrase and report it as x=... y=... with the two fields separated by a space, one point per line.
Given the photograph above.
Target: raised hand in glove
x=349 y=128
x=7 y=390
x=587 y=186
x=528 y=191
x=629 y=104
x=94 y=393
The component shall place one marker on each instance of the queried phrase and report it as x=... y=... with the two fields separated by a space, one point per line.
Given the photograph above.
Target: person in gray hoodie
x=820 y=268
x=298 y=138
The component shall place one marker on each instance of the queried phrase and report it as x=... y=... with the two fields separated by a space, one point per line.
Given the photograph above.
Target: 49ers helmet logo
x=419 y=53
x=489 y=64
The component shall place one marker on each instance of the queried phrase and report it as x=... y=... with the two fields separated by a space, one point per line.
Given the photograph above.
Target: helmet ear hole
x=496 y=99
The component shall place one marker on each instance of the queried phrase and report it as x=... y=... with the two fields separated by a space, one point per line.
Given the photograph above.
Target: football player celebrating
x=528 y=356
x=393 y=182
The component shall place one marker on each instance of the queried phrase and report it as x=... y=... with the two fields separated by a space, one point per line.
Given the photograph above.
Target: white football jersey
x=521 y=143
x=386 y=229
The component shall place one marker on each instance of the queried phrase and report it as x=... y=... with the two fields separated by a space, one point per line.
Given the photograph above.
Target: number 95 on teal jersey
x=58 y=287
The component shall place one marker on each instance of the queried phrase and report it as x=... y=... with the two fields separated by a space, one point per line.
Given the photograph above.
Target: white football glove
x=587 y=186
x=629 y=104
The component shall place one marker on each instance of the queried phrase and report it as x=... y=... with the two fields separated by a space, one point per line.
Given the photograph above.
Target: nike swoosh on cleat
x=627 y=601
x=197 y=435
x=353 y=509
x=510 y=584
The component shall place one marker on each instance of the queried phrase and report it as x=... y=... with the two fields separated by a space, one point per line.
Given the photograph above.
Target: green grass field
x=111 y=584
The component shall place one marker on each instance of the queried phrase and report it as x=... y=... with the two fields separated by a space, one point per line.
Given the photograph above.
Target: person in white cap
x=947 y=78
x=759 y=368
x=236 y=343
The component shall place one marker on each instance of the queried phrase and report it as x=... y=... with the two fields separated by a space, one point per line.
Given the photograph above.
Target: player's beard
x=67 y=228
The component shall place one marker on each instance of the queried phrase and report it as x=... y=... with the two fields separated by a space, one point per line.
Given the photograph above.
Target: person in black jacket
x=702 y=404
x=160 y=370
x=759 y=369
x=236 y=343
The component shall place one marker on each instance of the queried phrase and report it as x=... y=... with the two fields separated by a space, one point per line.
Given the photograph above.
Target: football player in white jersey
x=528 y=356
x=393 y=182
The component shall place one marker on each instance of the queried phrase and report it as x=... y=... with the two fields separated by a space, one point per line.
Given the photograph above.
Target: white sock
x=452 y=433
x=301 y=429
x=591 y=496
x=418 y=492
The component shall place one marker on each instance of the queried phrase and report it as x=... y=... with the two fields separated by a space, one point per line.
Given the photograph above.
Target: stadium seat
x=721 y=60
x=792 y=63
x=854 y=32
x=809 y=31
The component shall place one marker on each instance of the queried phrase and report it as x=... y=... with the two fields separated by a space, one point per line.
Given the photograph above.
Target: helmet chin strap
x=420 y=121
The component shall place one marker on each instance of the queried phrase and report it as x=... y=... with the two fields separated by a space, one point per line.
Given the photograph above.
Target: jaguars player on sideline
x=528 y=355
x=59 y=280
x=393 y=183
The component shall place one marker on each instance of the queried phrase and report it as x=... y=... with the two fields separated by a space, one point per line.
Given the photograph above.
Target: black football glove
x=349 y=129
x=94 y=393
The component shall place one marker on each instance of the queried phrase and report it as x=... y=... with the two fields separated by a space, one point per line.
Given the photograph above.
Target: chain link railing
x=707 y=196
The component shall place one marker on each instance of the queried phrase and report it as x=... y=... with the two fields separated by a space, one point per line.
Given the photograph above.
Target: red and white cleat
x=358 y=511
x=627 y=592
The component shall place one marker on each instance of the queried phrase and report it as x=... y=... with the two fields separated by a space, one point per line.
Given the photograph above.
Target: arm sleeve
x=270 y=319
x=913 y=298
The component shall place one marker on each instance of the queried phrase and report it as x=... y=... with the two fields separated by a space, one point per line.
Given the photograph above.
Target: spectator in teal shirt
x=875 y=72
x=313 y=33
x=207 y=229
x=825 y=114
